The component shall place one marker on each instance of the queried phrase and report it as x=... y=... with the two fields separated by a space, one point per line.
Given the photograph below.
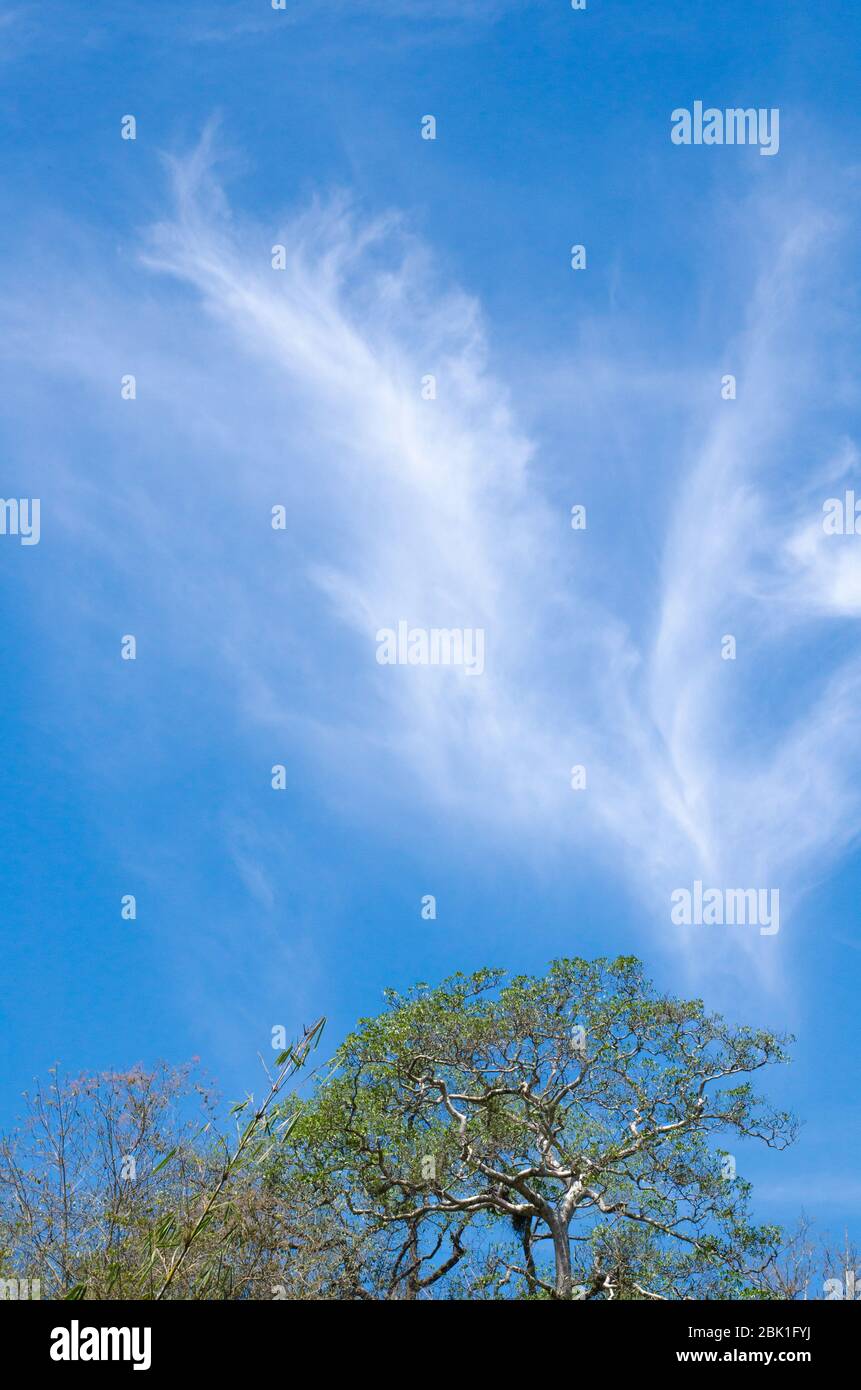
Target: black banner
x=89 y=1338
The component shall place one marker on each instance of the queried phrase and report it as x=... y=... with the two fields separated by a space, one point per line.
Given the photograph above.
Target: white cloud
x=433 y=512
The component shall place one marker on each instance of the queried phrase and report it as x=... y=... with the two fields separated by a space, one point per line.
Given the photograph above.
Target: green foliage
x=553 y=1137
x=473 y=1106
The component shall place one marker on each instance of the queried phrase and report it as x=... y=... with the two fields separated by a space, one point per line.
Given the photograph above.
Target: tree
x=562 y=1137
x=111 y=1189
x=557 y=1133
x=796 y=1267
x=81 y=1178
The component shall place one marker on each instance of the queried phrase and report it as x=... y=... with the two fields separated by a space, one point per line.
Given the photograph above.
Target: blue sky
x=301 y=388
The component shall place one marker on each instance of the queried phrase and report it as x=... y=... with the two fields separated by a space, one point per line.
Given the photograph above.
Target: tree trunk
x=562 y=1251
x=412 y=1285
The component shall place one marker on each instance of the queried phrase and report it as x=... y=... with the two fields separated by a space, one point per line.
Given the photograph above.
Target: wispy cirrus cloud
x=435 y=511
x=764 y=752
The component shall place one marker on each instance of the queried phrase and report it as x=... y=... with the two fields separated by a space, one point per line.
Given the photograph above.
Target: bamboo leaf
x=163 y=1161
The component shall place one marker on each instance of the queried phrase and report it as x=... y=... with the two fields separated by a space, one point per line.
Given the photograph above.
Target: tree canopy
x=581 y=1113
x=576 y=1135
